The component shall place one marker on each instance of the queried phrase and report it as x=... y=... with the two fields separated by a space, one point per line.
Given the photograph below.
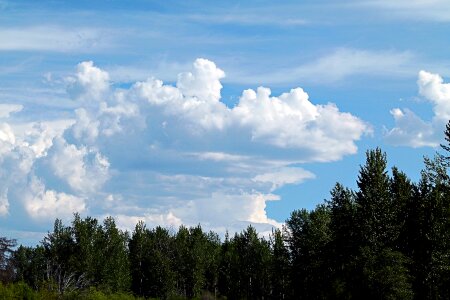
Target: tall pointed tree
x=375 y=213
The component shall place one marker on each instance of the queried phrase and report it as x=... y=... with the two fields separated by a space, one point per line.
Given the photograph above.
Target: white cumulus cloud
x=410 y=129
x=171 y=154
x=42 y=203
x=84 y=169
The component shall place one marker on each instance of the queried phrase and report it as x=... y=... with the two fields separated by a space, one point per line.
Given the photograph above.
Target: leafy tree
x=60 y=250
x=212 y=260
x=308 y=238
x=30 y=265
x=384 y=275
x=279 y=272
x=195 y=261
x=89 y=246
x=115 y=271
x=228 y=271
x=151 y=253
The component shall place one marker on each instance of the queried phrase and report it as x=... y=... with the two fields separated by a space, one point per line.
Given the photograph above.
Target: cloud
x=410 y=129
x=433 y=88
x=168 y=220
x=41 y=203
x=423 y=10
x=89 y=82
x=339 y=65
x=176 y=135
x=51 y=38
x=334 y=66
x=84 y=169
x=173 y=154
x=21 y=146
x=7 y=109
x=4 y=203
x=284 y=176
x=288 y=121
x=248 y=19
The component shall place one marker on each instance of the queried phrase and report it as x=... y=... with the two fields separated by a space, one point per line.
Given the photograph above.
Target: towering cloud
x=171 y=154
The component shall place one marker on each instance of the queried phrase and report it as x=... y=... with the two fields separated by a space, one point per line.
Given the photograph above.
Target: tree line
x=388 y=239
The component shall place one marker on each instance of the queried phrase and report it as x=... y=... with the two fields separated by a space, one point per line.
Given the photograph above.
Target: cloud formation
x=171 y=154
x=410 y=129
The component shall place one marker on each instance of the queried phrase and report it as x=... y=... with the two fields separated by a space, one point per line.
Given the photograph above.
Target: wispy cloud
x=52 y=38
x=248 y=19
x=337 y=66
x=422 y=10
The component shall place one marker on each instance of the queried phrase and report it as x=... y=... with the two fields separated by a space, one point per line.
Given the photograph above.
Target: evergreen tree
x=375 y=212
x=401 y=190
x=378 y=260
x=6 y=249
x=430 y=232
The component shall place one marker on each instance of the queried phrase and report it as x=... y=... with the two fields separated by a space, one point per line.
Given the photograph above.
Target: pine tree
x=6 y=249
x=375 y=212
x=379 y=269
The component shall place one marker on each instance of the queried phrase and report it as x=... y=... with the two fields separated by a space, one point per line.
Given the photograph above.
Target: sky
x=223 y=114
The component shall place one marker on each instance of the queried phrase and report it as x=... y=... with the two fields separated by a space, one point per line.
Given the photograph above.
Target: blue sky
x=224 y=114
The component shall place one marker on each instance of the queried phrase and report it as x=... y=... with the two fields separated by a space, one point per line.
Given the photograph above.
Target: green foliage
x=30 y=265
x=279 y=267
x=384 y=275
x=151 y=253
x=115 y=274
x=375 y=211
x=308 y=238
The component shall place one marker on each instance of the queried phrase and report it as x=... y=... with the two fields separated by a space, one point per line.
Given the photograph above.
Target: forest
x=388 y=239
